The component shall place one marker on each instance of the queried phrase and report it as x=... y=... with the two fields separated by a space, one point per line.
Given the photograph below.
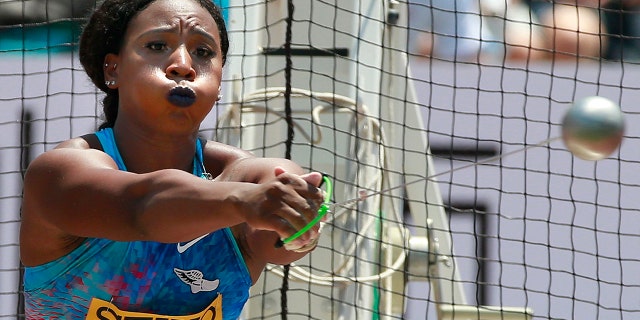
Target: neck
x=144 y=153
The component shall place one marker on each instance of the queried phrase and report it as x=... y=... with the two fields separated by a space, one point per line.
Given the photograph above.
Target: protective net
x=390 y=99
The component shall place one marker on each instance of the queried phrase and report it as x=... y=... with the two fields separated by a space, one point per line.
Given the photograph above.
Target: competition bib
x=102 y=310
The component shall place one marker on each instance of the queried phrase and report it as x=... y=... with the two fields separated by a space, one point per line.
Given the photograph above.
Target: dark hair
x=104 y=33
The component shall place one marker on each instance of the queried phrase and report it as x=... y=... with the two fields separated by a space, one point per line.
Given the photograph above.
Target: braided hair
x=104 y=33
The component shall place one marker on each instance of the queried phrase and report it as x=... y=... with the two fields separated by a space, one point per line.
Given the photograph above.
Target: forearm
x=173 y=206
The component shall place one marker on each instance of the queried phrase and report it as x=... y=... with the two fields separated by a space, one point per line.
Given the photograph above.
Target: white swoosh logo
x=183 y=248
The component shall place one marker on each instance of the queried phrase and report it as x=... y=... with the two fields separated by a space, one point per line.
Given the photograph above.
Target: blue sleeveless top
x=141 y=276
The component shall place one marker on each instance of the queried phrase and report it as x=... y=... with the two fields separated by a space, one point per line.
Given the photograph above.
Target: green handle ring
x=324 y=208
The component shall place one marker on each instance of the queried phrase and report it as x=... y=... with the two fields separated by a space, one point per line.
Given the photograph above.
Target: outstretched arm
x=73 y=193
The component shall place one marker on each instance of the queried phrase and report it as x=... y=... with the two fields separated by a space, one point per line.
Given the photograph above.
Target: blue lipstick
x=182 y=96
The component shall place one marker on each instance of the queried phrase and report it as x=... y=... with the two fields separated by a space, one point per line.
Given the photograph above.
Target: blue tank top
x=141 y=276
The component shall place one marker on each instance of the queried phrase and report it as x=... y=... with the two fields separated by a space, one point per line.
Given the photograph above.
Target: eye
x=156 y=46
x=204 y=52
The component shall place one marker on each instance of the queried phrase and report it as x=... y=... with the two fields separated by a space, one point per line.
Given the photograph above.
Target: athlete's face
x=169 y=67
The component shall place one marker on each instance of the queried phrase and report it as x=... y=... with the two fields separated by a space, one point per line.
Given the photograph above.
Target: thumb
x=278 y=171
x=313 y=178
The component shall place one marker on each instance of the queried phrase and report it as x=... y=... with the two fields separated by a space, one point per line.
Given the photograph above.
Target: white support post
x=367 y=45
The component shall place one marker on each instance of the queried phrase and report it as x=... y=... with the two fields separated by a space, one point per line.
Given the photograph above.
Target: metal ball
x=593 y=128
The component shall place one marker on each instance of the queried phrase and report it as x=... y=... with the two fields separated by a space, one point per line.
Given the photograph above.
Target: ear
x=111 y=70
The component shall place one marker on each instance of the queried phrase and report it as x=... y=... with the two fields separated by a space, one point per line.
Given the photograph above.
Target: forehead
x=170 y=13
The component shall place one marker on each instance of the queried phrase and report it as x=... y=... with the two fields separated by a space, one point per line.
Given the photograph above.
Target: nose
x=180 y=65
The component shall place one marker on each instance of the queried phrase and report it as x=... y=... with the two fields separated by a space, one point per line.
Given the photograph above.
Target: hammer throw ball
x=593 y=128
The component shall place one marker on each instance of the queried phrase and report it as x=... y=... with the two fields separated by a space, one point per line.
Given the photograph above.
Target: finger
x=300 y=194
x=303 y=229
x=278 y=171
x=301 y=248
x=310 y=238
x=295 y=219
x=313 y=178
x=303 y=236
x=305 y=207
x=287 y=178
x=306 y=187
x=284 y=228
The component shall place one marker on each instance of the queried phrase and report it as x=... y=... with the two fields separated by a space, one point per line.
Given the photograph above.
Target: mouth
x=182 y=96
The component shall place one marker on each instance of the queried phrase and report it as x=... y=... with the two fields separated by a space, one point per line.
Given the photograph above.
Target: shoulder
x=71 y=157
x=89 y=141
x=219 y=156
x=84 y=149
x=221 y=150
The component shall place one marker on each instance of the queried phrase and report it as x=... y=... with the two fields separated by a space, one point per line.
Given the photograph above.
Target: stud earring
x=219 y=97
x=106 y=65
x=110 y=83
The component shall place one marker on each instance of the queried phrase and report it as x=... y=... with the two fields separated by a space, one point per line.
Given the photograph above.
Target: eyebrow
x=198 y=30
